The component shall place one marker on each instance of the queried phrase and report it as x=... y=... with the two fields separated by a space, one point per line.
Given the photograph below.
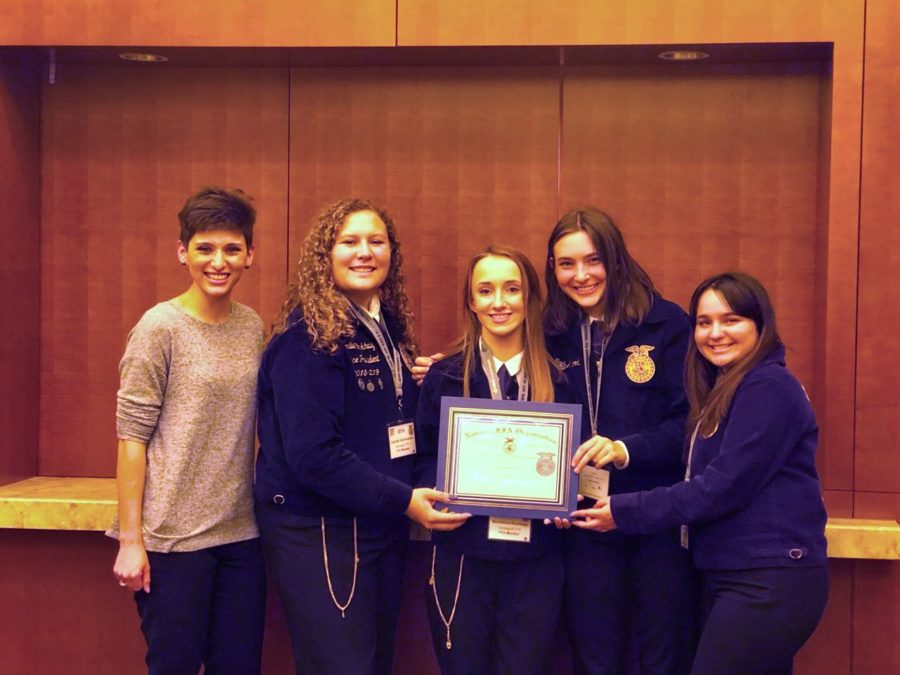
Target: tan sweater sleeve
x=143 y=374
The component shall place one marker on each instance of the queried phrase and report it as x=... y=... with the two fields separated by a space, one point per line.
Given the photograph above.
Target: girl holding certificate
x=623 y=346
x=337 y=446
x=496 y=584
x=751 y=496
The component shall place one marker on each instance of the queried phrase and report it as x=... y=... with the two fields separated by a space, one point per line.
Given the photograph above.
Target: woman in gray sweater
x=185 y=422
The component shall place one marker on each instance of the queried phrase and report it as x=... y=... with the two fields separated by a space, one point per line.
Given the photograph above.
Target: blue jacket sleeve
x=308 y=394
x=760 y=433
x=427 y=429
x=662 y=444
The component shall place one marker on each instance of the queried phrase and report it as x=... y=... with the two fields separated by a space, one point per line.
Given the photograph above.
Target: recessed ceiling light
x=143 y=58
x=683 y=55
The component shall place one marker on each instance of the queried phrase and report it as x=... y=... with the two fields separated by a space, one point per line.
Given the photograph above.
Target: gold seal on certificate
x=509 y=458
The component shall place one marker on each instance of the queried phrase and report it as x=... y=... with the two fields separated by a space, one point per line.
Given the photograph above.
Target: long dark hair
x=536 y=361
x=710 y=390
x=629 y=290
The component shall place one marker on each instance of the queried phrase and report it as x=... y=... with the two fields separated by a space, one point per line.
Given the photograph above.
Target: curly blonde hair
x=323 y=307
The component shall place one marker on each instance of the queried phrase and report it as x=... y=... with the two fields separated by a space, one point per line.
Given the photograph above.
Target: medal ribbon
x=593 y=400
x=490 y=369
x=392 y=355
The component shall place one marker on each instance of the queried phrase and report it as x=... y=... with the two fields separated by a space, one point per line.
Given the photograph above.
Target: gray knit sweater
x=188 y=390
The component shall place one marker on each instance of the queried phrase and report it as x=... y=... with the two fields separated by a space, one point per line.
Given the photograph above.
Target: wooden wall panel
x=878 y=355
x=706 y=171
x=460 y=158
x=122 y=149
x=878 y=505
x=876 y=617
x=62 y=610
x=643 y=22
x=549 y=22
x=838 y=503
x=841 y=146
x=830 y=648
x=20 y=274
x=199 y=23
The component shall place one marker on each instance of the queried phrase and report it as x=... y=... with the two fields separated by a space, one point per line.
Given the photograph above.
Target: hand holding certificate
x=508 y=458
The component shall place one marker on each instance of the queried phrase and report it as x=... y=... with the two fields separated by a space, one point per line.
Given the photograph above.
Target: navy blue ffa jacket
x=445 y=379
x=754 y=498
x=649 y=417
x=322 y=425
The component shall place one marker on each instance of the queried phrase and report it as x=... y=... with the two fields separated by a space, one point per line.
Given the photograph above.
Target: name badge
x=401 y=439
x=593 y=482
x=509 y=529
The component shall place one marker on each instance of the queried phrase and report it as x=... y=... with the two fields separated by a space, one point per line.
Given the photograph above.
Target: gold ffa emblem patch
x=640 y=367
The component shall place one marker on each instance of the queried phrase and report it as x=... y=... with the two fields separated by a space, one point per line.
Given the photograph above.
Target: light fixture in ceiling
x=683 y=55
x=142 y=57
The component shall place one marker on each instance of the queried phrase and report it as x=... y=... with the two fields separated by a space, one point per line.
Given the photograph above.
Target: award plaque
x=508 y=458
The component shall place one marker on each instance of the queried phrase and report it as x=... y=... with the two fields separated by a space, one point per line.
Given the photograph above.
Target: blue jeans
x=756 y=620
x=205 y=607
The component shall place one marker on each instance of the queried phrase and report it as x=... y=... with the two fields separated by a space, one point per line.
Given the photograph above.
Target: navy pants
x=205 y=606
x=506 y=618
x=362 y=641
x=614 y=581
x=755 y=621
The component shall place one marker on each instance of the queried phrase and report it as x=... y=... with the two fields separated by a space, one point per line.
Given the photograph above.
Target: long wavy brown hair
x=709 y=389
x=536 y=361
x=629 y=290
x=313 y=296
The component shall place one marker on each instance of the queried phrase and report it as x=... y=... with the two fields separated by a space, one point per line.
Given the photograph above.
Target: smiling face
x=723 y=337
x=216 y=260
x=580 y=272
x=361 y=257
x=498 y=301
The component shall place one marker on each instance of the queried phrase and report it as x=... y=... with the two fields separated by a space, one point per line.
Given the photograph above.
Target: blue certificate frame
x=508 y=458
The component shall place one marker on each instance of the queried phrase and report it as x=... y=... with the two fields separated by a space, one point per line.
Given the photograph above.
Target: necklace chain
x=446 y=621
x=334 y=599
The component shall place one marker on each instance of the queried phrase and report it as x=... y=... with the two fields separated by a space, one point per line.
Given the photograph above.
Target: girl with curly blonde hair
x=321 y=304
x=337 y=454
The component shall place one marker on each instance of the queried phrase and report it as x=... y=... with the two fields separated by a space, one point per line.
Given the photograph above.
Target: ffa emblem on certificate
x=640 y=367
x=509 y=445
x=545 y=465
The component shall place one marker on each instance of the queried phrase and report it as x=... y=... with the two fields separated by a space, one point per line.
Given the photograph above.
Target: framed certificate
x=508 y=458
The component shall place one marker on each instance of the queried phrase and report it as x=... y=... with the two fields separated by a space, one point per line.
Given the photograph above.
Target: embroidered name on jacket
x=565 y=365
x=361 y=346
x=366 y=366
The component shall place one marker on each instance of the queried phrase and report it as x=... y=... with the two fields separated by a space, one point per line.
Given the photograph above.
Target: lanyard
x=391 y=355
x=487 y=365
x=684 y=533
x=687 y=469
x=593 y=400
